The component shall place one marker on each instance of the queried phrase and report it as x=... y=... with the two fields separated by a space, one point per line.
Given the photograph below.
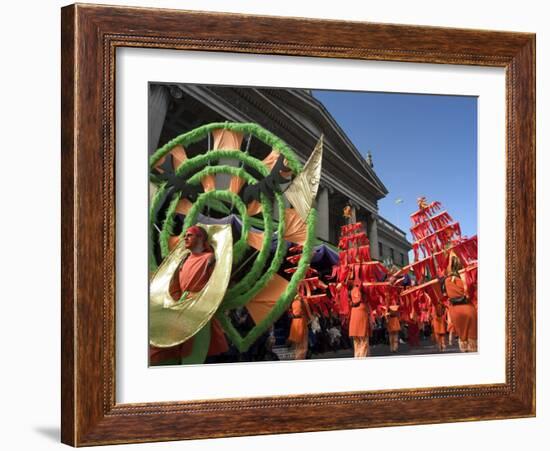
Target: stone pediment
x=318 y=119
x=299 y=119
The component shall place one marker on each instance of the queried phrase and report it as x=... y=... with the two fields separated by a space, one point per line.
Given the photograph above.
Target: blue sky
x=421 y=145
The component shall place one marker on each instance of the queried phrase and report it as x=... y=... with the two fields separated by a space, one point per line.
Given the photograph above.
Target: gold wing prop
x=302 y=192
x=172 y=322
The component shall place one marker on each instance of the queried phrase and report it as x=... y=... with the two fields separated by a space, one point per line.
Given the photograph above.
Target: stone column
x=373 y=235
x=323 y=213
x=353 y=214
x=158 y=105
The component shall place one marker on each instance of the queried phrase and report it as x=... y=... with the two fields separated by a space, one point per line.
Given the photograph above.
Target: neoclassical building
x=299 y=119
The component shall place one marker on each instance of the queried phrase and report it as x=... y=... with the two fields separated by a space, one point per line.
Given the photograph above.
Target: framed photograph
x=278 y=225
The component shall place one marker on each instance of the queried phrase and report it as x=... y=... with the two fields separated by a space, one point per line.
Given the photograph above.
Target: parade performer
x=394 y=327
x=347 y=214
x=193 y=275
x=463 y=313
x=450 y=328
x=300 y=314
x=413 y=329
x=438 y=325
x=359 y=327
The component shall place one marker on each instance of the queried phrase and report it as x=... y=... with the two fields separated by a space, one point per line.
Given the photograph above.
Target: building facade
x=299 y=119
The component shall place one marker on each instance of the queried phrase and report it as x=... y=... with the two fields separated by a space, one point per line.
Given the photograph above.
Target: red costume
x=413 y=329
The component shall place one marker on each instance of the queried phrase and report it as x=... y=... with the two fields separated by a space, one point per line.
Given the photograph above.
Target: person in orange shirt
x=462 y=311
x=298 y=336
x=359 y=327
x=438 y=325
x=394 y=327
x=192 y=277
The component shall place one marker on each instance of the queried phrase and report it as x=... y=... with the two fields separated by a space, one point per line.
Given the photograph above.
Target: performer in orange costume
x=413 y=329
x=438 y=324
x=300 y=314
x=463 y=313
x=193 y=276
x=450 y=328
x=359 y=327
x=394 y=327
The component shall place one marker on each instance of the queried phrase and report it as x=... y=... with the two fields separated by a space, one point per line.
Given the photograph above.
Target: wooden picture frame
x=90 y=36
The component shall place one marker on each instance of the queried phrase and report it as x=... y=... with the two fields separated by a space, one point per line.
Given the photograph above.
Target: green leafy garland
x=253 y=129
x=241 y=245
x=221 y=169
x=154 y=205
x=257 y=267
x=254 y=281
x=243 y=343
x=168 y=225
x=239 y=296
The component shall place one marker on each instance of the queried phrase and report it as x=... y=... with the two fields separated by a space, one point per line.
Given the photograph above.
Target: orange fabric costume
x=298 y=329
x=359 y=318
x=454 y=287
x=196 y=271
x=359 y=327
x=438 y=322
x=298 y=326
x=193 y=276
x=394 y=326
x=393 y=323
x=464 y=315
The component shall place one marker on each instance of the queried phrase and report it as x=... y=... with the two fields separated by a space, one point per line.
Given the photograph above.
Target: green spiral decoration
x=258 y=272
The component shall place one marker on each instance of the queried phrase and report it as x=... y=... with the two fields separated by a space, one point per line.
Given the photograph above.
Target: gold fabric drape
x=295 y=230
x=236 y=183
x=173 y=242
x=183 y=207
x=208 y=183
x=255 y=239
x=295 y=227
x=260 y=306
x=226 y=139
x=171 y=322
x=271 y=159
x=254 y=208
x=302 y=192
x=179 y=156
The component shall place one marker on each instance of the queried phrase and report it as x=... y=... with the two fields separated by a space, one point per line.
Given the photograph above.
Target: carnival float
x=253 y=210
x=260 y=220
x=437 y=238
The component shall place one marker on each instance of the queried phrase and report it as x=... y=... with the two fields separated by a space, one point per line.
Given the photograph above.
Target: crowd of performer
x=452 y=316
x=450 y=324
x=447 y=323
x=310 y=335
